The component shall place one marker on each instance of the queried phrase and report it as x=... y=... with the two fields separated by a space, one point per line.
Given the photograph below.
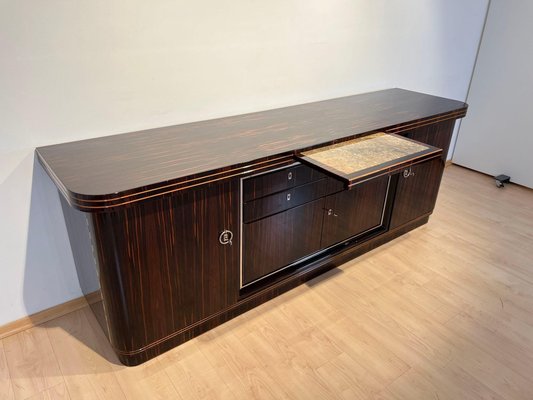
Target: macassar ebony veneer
x=184 y=227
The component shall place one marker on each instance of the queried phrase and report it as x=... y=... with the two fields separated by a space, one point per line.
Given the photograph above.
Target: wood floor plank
x=456 y=383
x=6 y=387
x=500 y=347
x=470 y=358
x=413 y=385
x=365 y=348
x=491 y=372
x=349 y=379
x=146 y=381
x=471 y=272
x=195 y=379
x=309 y=310
x=237 y=367
x=32 y=364
x=58 y=392
x=85 y=357
x=317 y=346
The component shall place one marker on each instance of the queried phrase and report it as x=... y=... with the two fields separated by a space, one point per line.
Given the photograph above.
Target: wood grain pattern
x=416 y=191
x=354 y=211
x=6 y=386
x=284 y=200
x=162 y=267
x=165 y=277
x=438 y=135
x=431 y=299
x=160 y=291
x=78 y=363
x=281 y=239
x=58 y=392
x=265 y=184
x=116 y=169
x=31 y=362
x=267 y=292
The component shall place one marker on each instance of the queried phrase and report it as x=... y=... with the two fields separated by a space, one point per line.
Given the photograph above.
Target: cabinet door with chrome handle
x=416 y=191
x=408 y=172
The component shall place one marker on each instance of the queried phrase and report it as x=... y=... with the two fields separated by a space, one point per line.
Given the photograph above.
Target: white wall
x=496 y=137
x=77 y=69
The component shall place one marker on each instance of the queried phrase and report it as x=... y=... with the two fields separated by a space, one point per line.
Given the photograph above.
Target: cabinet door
x=354 y=211
x=162 y=266
x=416 y=191
x=274 y=242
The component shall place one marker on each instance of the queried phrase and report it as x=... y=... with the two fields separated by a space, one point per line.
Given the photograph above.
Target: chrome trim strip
x=385 y=201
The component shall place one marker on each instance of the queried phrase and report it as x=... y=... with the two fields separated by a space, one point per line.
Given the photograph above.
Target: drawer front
x=274 y=242
x=276 y=181
x=284 y=200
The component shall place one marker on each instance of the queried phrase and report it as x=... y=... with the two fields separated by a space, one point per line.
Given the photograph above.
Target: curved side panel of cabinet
x=163 y=267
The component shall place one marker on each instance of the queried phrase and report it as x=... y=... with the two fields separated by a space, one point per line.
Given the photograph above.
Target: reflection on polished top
x=119 y=168
x=359 y=154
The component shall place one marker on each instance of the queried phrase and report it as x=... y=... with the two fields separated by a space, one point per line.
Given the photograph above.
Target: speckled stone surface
x=359 y=154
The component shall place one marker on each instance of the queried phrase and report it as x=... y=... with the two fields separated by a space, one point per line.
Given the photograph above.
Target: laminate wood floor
x=444 y=312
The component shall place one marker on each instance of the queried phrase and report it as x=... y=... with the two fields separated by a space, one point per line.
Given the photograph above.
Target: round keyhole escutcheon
x=226 y=237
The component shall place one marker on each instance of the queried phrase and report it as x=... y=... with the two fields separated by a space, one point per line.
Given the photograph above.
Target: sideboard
x=184 y=227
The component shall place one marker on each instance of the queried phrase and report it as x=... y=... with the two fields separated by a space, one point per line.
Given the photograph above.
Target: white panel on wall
x=496 y=136
x=79 y=69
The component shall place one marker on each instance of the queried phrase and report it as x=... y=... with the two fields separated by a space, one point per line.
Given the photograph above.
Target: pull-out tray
x=358 y=160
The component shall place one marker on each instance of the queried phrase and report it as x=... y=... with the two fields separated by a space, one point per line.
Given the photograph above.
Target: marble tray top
x=369 y=151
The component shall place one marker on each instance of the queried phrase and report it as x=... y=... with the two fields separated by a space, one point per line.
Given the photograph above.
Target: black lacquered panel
x=274 y=242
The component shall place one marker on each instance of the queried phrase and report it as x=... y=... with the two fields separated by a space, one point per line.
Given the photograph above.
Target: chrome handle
x=330 y=212
x=408 y=172
x=289 y=176
x=226 y=237
x=288 y=197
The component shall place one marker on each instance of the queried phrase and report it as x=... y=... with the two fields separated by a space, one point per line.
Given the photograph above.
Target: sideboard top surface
x=121 y=164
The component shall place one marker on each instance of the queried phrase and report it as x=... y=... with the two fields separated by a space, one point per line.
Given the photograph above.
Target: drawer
x=276 y=181
x=284 y=200
x=358 y=160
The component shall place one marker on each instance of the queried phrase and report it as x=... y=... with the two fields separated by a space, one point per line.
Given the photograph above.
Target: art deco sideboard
x=184 y=227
